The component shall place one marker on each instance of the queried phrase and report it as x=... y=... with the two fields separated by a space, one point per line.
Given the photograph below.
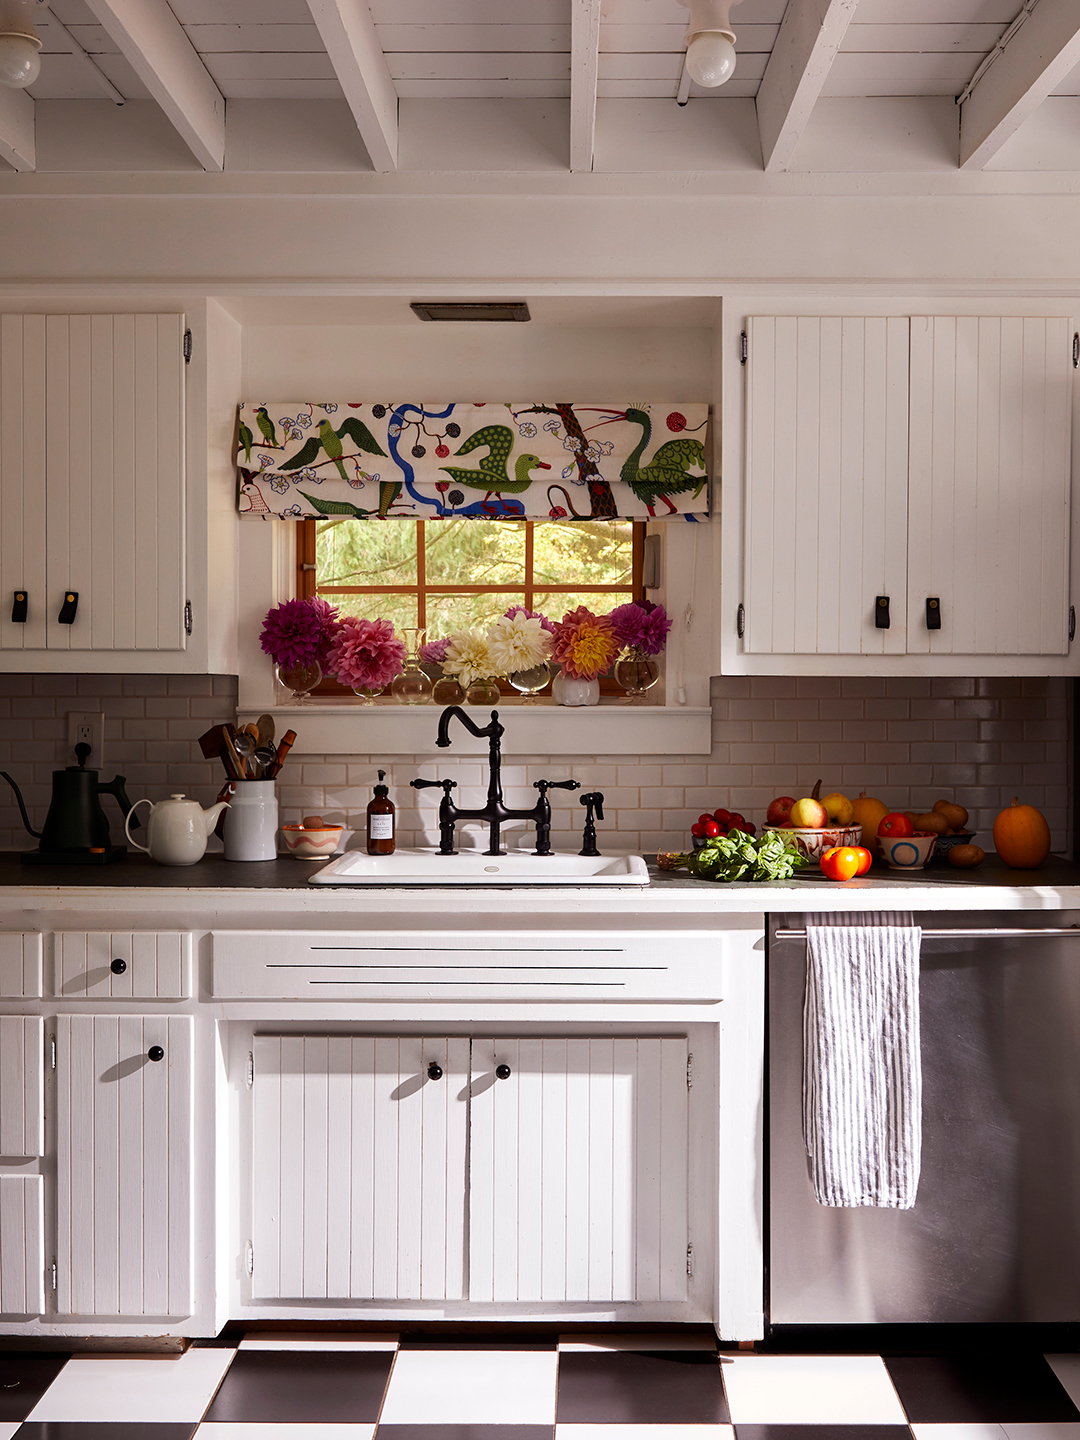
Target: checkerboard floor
x=277 y=1386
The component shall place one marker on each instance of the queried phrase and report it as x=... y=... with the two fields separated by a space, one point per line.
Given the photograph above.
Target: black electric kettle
x=76 y=831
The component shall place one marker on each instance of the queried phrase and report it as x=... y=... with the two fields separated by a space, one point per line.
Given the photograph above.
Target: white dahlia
x=467 y=657
x=518 y=643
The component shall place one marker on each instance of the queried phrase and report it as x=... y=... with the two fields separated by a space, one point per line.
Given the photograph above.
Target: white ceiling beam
x=348 y=32
x=809 y=37
x=154 y=43
x=17 y=129
x=1034 y=61
x=584 y=75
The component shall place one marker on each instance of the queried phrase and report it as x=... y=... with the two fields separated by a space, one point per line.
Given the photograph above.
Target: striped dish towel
x=862 y=1079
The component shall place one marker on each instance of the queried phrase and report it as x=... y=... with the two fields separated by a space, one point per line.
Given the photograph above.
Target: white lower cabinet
x=558 y=1165
x=22 y=1245
x=124 y=1112
x=22 y=1127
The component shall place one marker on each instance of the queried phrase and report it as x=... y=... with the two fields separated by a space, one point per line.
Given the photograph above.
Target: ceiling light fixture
x=470 y=309
x=20 y=46
x=710 y=47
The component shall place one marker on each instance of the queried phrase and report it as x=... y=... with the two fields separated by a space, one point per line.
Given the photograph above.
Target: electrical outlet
x=88 y=728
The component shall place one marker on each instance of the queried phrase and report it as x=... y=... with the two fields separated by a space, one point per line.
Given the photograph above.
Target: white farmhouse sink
x=428 y=867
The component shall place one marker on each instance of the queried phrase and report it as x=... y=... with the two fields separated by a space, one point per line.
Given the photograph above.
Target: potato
x=955 y=815
x=966 y=857
x=313 y=822
x=911 y=815
x=935 y=823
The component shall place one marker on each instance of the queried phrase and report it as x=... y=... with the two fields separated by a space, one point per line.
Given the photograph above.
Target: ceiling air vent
x=470 y=309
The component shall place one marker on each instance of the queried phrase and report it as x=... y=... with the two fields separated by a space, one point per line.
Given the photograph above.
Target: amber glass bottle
x=380 y=821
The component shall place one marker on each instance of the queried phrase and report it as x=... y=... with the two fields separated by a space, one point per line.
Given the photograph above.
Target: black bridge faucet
x=494 y=812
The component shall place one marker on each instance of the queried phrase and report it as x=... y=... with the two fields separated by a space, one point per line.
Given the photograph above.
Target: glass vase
x=483 y=692
x=366 y=693
x=299 y=679
x=636 y=672
x=412 y=686
x=447 y=691
x=530 y=682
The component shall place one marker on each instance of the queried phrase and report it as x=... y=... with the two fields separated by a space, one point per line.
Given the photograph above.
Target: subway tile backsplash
x=907 y=740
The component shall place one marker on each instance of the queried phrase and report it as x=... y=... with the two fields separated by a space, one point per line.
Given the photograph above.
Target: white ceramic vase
x=568 y=691
x=251 y=825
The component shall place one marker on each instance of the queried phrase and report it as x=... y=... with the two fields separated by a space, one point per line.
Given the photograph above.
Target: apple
x=839 y=808
x=809 y=814
x=779 y=811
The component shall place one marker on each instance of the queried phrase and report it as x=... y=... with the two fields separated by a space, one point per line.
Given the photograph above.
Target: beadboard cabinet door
x=988 y=536
x=826 y=484
x=92 y=482
x=124 y=1103
x=578 y=1170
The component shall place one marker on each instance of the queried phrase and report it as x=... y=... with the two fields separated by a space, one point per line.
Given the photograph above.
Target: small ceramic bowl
x=945 y=843
x=910 y=852
x=312 y=844
x=814 y=843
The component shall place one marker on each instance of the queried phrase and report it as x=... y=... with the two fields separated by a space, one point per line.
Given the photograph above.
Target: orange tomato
x=866 y=859
x=841 y=862
x=896 y=826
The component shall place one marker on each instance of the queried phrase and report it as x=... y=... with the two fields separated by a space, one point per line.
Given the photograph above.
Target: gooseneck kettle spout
x=22 y=805
x=75 y=826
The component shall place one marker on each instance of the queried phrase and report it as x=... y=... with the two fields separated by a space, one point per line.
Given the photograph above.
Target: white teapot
x=177 y=829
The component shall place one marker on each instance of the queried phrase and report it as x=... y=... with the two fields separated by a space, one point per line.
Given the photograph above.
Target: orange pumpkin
x=1022 y=836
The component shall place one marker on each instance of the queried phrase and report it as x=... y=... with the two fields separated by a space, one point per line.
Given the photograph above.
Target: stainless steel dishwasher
x=995 y=1232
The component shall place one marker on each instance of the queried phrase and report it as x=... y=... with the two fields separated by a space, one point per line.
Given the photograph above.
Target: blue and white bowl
x=908 y=852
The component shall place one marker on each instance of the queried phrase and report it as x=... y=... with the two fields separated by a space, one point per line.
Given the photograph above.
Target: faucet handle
x=544 y=785
x=445 y=785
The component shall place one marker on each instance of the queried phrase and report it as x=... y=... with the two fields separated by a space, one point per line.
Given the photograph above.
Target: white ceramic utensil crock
x=177 y=829
x=251 y=825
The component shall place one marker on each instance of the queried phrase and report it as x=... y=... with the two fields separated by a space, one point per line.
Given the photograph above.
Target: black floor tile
x=988 y=1387
x=103 y=1430
x=634 y=1387
x=822 y=1432
x=321 y=1387
x=25 y=1375
x=464 y=1432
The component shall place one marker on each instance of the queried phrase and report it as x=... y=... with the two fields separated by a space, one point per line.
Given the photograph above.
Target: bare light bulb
x=710 y=58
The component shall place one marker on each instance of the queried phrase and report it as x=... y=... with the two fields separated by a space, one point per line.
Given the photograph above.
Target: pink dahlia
x=365 y=654
x=328 y=619
x=434 y=652
x=549 y=625
x=644 y=626
x=292 y=634
x=585 y=644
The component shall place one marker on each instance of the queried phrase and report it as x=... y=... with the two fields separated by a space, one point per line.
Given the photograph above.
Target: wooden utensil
x=287 y=742
x=265 y=726
x=215 y=742
x=238 y=759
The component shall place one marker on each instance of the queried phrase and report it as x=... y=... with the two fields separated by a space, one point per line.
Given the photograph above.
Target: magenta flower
x=292 y=634
x=549 y=625
x=328 y=619
x=365 y=654
x=643 y=626
x=434 y=652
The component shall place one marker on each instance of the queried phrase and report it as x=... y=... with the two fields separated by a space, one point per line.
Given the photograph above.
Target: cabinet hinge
x=1072 y=622
x=52 y=1274
x=249 y=1259
x=740 y=621
x=52 y=1052
x=744 y=348
x=187 y=347
x=689 y=1072
x=690 y=1260
x=250 y=1070
x=187 y=617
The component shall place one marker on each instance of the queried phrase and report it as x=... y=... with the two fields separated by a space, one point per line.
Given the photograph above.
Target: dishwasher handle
x=998 y=932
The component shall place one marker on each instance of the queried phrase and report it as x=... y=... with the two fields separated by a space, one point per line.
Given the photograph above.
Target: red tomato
x=722 y=817
x=840 y=863
x=896 y=826
x=865 y=859
x=711 y=828
x=703 y=817
x=745 y=826
x=736 y=818
x=697 y=830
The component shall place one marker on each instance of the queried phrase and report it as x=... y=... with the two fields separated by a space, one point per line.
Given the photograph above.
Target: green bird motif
x=330 y=442
x=667 y=472
x=357 y=432
x=246 y=440
x=266 y=425
x=492 y=477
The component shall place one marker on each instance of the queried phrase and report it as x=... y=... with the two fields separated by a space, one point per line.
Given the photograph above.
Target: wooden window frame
x=306 y=577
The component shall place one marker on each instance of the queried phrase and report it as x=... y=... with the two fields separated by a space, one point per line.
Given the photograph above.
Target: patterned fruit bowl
x=814 y=843
x=907 y=852
x=945 y=843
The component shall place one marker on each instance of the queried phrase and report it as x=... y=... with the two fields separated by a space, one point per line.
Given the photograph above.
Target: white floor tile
x=8 y=1428
x=644 y=1432
x=1043 y=1430
x=288 y=1340
x=667 y=1341
x=239 y=1430
x=162 y=1388
x=958 y=1432
x=1067 y=1369
x=810 y=1390
x=471 y=1387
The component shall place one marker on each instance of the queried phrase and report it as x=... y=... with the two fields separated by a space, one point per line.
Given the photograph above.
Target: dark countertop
x=214 y=872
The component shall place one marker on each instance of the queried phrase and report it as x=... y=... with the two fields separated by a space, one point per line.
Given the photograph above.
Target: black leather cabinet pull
x=19 y=607
x=933 y=612
x=70 y=607
x=881 y=612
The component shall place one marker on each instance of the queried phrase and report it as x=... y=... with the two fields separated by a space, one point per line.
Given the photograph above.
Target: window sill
x=341 y=727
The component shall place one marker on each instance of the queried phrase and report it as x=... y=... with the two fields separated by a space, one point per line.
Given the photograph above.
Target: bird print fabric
x=485 y=460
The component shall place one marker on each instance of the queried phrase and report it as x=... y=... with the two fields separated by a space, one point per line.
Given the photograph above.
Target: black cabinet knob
x=933 y=612
x=70 y=608
x=434 y=1071
x=155 y=1053
x=19 y=606
x=881 y=612
x=503 y=1072
x=118 y=967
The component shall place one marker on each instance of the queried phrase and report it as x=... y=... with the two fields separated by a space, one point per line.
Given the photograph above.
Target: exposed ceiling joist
x=348 y=33
x=17 y=129
x=153 y=41
x=809 y=37
x=1035 y=60
x=584 y=75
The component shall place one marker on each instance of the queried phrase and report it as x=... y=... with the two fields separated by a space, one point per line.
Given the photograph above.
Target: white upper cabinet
x=92 y=495
x=907 y=496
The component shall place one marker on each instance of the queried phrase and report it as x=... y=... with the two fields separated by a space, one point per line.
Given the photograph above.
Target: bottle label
x=382 y=827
